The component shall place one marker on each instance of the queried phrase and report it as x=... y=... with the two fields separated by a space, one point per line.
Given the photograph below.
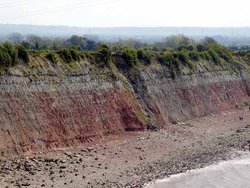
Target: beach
x=137 y=159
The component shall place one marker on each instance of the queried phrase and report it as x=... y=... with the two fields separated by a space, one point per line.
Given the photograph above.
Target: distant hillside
x=227 y=36
x=6 y=29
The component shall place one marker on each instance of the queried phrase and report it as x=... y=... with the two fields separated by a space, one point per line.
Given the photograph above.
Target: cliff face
x=53 y=110
x=51 y=115
x=189 y=96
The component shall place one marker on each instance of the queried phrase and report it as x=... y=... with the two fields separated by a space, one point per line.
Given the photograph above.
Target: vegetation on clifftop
x=185 y=53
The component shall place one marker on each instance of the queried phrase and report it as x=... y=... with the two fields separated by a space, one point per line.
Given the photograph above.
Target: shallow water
x=229 y=174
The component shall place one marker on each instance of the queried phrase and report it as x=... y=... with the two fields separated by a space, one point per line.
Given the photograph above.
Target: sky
x=127 y=13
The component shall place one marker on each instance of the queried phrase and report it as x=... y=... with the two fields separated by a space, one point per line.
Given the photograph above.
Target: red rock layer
x=43 y=120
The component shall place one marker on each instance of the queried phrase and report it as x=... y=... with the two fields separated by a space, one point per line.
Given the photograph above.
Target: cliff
x=46 y=106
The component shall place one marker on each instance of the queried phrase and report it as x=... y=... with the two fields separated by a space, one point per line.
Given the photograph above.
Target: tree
x=35 y=41
x=16 y=38
x=78 y=41
x=209 y=40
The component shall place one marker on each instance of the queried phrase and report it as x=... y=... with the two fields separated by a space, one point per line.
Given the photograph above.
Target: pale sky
x=123 y=13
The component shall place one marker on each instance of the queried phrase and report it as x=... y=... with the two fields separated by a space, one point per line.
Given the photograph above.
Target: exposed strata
x=133 y=161
x=46 y=108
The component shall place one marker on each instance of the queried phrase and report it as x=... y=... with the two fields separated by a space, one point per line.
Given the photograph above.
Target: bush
x=12 y=51
x=171 y=62
x=66 y=55
x=143 y=55
x=188 y=48
x=183 y=56
x=166 y=58
x=223 y=52
x=52 y=57
x=75 y=55
x=206 y=56
x=22 y=53
x=227 y=55
x=130 y=56
x=104 y=53
x=5 y=59
x=214 y=55
x=194 y=56
x=201 y=48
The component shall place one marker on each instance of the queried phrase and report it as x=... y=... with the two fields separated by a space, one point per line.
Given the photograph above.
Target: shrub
x=52 y=57
x=166 y=58
x=12 y=51
x=190 y=48
x=171 y=62
x=5 y=59
x=227 y=55
x=183 y=56
x=22 y=53
x=104 y=53
x=66 y=55
x=75 y=55
x=143 y=55
x=214 y=55
x=201 y=48
x=130 y=56
x=223 y=52
x=193 y=55
x=206 y=56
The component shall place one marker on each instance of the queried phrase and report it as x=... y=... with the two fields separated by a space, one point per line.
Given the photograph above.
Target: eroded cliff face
x=190 y=94
x=52 y=115
x=45 y=108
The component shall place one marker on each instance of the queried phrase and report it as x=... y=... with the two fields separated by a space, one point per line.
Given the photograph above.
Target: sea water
x=229 y=174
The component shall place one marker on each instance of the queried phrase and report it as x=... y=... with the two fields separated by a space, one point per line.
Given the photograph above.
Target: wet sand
x=135 y=160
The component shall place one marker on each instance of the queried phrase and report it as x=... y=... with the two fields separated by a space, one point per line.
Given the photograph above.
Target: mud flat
x=134 y=160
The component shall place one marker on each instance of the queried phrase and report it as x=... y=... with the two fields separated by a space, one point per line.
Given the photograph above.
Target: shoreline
x=135 y=161
x=190 y=175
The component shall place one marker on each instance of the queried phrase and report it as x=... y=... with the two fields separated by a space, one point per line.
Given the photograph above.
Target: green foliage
x=78 y=41
x=75 y=55
x=130 y=56
x=22 y=53
x=52 y=57
x=104 y=53
x=188 y=48
x=144 y=55
x=206 y=56
x=172 y=62
x=223 y=52
x=226 y=54
x=66 y=55
x=208 y=40
x=183 y=56
x=201 y=48
x=214 y=56
x=175 y=41
x=12 y=51
x=5 y=59
x=193 y=55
